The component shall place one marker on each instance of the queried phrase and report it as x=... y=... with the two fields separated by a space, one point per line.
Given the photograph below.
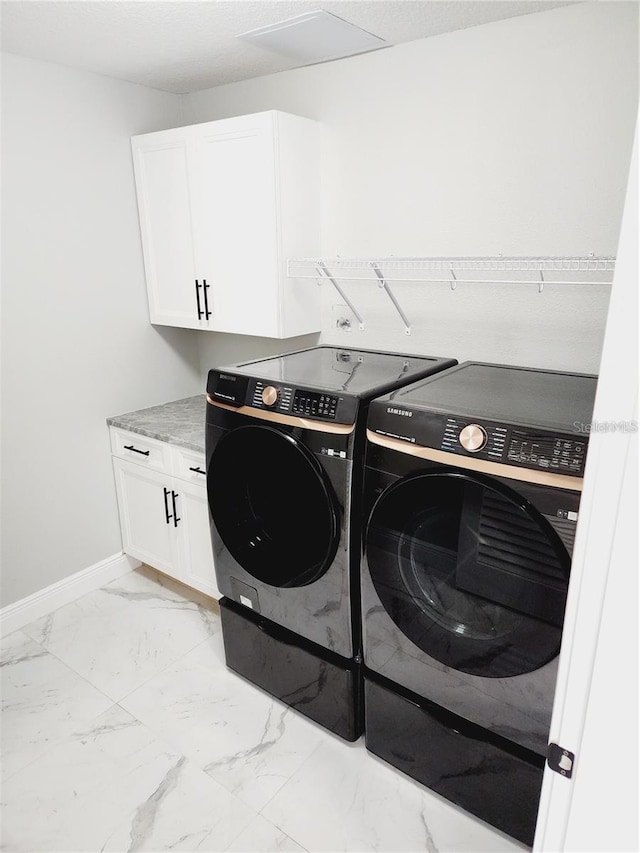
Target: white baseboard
x=45 y=601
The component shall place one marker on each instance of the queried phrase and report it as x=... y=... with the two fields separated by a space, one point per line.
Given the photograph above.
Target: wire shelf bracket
x=384 y=284
x=322 y=271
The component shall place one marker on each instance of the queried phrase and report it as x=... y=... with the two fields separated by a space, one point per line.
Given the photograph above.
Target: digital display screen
x=230 y=389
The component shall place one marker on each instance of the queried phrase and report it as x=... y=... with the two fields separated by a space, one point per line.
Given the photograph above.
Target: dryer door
x=273 y=506
x=470 y=572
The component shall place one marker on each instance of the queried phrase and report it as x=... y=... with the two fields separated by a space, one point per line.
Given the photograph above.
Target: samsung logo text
x=402 y=412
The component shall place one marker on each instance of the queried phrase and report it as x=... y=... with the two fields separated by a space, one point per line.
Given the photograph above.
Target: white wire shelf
x=499 y=269
x=417 y=269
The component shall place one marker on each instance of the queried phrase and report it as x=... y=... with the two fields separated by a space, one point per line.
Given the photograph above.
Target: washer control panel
x=236 y=390
x=293 y=401
x=509 y=445
x=270 y=395
x=312 y=404
x=264 y=395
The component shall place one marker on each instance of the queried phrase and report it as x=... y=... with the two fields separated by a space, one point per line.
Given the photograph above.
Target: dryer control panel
x=510 y=445
x=503 y=443
x=566 y=455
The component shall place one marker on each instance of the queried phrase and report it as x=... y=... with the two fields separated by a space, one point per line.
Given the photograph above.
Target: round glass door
x=470 y=572
x=273 y=506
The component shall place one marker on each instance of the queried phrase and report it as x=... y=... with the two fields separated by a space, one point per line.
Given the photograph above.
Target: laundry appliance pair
x=392 y=537
x=285 y=441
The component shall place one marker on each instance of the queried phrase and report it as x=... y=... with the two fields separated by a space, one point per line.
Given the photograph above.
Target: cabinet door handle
x=174 y=495
x=200 y=311
x=207 y=313
x=135 y=450
x=167 y=514
x=198 y=471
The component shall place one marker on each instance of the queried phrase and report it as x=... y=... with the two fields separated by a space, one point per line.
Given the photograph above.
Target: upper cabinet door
x=165 y=205
x=235 y=227
x=222 y=206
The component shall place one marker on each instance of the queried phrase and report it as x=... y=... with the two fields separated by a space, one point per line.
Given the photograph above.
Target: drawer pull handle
x=198 y=470
x=135 y=450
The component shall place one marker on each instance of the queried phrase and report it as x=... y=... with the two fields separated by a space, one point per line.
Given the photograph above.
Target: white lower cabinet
x=196 y=556
x=162 y=500
x=142 y=501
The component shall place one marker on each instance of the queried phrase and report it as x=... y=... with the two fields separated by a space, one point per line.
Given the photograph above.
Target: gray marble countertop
x=181 y=422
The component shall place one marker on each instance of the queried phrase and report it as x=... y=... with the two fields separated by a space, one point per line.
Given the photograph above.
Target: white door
x=165 y=207
x=196 y=554
x=236 y=232
x=145 y=502
x=595 y=713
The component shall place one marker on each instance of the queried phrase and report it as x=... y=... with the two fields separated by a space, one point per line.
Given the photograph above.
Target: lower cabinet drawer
x=189 y=465
x=142 y=450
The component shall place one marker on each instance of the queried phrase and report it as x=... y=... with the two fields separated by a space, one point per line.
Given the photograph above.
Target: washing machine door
x=469 y=571
x=273 y=506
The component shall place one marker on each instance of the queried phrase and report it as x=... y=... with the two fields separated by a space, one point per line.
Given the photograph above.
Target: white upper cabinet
x=222 y=206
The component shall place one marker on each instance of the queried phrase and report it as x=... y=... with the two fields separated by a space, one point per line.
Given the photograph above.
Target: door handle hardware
x=135 y=450
x=167 y=514
x=174 y=495
x=207 y=313
x=200 y=311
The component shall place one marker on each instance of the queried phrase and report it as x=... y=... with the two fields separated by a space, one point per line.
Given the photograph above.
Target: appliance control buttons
x=270 y=395
x=473 y=438
x=312 y=404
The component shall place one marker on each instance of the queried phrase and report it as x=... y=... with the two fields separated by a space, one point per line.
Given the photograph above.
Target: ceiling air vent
x=314 y=37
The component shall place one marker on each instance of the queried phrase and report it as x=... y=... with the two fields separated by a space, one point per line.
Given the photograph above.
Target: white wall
x=514 y=138
x=76 y=341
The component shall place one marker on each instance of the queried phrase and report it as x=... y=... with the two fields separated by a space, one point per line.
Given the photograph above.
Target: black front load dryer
x=472 y=488
x=284 y=447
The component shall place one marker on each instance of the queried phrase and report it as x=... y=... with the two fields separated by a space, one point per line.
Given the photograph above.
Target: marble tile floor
x=122 y=730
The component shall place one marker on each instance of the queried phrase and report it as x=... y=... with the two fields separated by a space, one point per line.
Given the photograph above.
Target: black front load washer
x=284 y=448
x=472 y=488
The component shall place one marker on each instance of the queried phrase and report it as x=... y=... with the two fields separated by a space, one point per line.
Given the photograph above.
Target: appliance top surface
x=548 y=399
x=363 y=373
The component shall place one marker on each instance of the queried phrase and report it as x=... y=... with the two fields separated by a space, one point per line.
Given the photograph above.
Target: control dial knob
x=270 y=395
x=473 y=437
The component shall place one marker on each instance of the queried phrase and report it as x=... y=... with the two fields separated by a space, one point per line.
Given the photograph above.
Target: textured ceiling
x=187 y=45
